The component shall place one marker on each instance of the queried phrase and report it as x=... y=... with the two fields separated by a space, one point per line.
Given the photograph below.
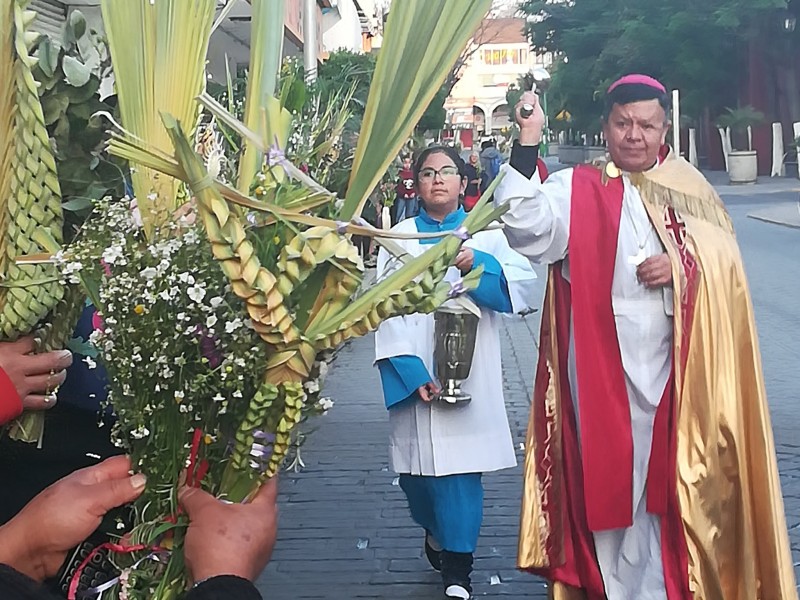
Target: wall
x=341 y=27
x=232 y=40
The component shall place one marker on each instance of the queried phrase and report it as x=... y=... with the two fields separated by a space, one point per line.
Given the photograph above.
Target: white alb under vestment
x=538 y=226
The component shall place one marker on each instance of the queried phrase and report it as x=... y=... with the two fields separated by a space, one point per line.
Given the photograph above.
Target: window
x=505 y=56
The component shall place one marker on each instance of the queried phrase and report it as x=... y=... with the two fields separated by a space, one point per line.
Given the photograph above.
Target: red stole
x=597 y=484
x=541 y=168
x=605 y=418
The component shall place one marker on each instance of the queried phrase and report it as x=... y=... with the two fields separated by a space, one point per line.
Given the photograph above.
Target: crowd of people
x=650 y=470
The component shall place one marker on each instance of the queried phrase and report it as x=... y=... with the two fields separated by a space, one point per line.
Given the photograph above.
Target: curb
x=775 y=221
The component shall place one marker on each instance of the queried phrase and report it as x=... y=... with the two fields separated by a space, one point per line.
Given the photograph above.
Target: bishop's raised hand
x=530 y=126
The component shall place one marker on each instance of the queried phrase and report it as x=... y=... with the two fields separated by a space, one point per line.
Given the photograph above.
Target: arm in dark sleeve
x=524 y=159
x=224 y=587
x=16 y=586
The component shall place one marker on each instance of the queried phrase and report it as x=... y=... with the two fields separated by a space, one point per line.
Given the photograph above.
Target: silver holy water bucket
x=455 y=332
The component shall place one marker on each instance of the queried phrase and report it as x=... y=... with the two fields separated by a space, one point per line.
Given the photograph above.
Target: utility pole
x=310 y=40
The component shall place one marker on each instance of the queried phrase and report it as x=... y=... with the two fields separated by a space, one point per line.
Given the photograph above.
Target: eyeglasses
x=428 y=173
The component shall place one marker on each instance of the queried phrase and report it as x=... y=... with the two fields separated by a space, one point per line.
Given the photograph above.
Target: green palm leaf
x=158 y=50
x=266 y=47
x=423 y=39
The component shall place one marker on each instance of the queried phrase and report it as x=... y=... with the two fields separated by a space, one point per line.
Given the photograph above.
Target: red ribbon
x=195 y=473
x=197 y=469
x=118 y=548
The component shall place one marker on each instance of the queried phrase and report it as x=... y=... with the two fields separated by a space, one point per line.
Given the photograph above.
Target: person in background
x=472 y=193
x=226 y=546
x=405 y=206
x=371 y=214
x=491 y=160
x=441 y=450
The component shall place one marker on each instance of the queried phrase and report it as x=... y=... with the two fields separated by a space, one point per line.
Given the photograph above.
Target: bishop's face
x=635 y=133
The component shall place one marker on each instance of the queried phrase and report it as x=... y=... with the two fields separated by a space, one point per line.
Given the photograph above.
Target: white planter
x=570 y=155
x=743 y=166
x=593 y=153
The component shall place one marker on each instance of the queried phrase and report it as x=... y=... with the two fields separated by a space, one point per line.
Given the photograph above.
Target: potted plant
x=742 y=159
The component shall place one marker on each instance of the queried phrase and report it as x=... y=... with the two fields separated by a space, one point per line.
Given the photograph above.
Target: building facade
x=351 y=25
x=498 y=55
x=231 y=41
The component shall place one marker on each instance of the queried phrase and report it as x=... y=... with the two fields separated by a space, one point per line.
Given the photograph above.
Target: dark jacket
x=490 y=165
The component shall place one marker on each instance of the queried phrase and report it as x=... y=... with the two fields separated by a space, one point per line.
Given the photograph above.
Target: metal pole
x=676 y=122
x=310 y=40
x=545 y=144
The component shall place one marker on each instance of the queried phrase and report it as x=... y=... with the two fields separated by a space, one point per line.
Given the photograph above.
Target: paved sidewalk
x=345 y=531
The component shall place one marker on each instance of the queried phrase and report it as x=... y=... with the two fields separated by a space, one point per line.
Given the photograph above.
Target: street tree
x=698 y=47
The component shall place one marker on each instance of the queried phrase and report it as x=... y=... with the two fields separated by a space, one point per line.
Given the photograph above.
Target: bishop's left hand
x=655 y=271
x=465 y=259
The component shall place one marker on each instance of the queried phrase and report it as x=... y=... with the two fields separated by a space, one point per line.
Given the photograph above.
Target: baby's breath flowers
x=180 y=352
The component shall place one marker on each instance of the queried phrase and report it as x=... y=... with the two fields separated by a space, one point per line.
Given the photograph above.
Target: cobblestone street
x=345 y=531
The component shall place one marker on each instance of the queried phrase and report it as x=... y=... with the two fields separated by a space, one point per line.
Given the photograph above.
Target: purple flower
x=276 y=157
x=456 y=288
x=261 y=450
x=209 y=346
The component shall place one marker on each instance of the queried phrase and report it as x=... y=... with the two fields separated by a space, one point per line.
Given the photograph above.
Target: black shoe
x=433 y=554
x=456 y=571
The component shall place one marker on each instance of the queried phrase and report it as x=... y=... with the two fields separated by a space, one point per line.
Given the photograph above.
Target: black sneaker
x=433 y=552
x=456 y=571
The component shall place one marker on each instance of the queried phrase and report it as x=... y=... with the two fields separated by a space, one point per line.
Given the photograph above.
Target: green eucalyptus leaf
x=82 y=347
x=49 y=83
x=81 y=110
x=48 y=57
x=62 y=129
x=54 y=107
x=76 y=26
x=77 y=204
x=85 y=92
x=96 y=190
x=77 y=74
x=76 y=173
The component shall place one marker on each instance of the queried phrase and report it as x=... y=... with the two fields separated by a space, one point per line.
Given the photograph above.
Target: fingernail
x=138 y=481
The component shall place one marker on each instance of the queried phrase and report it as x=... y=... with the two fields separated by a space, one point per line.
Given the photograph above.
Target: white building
x=500 y=54
x=347 y=24
x=351 y=25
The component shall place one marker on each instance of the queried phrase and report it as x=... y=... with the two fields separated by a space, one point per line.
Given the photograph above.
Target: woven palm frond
x=31 y=217
x=30 y=195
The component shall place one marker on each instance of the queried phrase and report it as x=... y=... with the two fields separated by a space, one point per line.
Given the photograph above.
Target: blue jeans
x=406 y=208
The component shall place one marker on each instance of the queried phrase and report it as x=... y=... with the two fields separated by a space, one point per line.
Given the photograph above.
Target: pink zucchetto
x=636 y=79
